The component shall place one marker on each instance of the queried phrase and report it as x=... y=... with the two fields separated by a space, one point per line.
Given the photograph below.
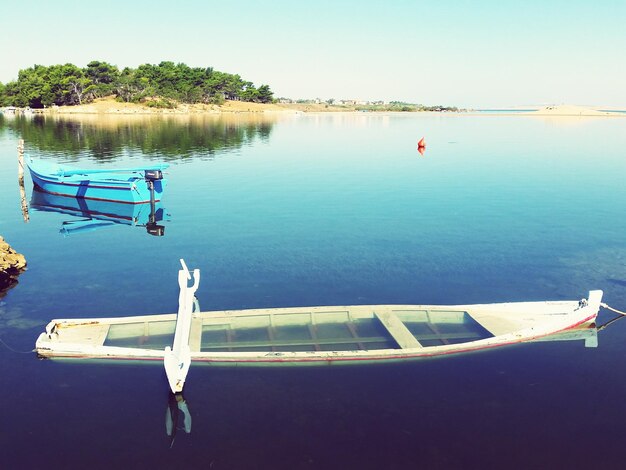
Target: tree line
x=163 y=85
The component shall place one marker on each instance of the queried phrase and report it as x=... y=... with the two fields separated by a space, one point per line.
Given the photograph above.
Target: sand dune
x=570 y=110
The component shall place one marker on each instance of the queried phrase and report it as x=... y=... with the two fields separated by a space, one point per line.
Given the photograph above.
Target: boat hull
x=336 y=335
x=353 y=358
x=129 y=188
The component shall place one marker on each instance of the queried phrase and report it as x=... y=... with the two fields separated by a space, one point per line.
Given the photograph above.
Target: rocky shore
x=10 y=260
x=11 y=265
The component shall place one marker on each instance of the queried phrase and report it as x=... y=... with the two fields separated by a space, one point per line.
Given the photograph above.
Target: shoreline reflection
x=166 y=137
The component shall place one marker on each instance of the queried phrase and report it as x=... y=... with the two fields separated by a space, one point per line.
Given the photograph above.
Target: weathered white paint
x=509 y=322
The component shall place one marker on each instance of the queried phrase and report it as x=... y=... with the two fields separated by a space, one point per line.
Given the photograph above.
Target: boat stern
x=592 y=303
x=43 y=345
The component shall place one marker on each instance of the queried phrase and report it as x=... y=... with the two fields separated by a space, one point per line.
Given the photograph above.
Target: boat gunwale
x=229 y=313
x=73 y=180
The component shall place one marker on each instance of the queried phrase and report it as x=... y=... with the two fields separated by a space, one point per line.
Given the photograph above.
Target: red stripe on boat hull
x=97 y=198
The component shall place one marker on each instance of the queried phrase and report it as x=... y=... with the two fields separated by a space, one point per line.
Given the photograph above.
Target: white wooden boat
x=309 y=335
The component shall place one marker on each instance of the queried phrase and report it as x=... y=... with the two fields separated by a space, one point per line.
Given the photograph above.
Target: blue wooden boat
x=125 y=185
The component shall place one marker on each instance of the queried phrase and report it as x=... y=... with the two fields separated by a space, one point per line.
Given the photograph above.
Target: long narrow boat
x=126 y=185
x=309 y=335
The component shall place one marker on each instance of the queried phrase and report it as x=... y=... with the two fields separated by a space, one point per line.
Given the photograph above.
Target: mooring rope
x=15 y=350
x=612 y=309
x=604 y=325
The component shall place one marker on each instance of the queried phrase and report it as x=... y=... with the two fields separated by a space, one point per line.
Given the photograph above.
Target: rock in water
x=11 y=262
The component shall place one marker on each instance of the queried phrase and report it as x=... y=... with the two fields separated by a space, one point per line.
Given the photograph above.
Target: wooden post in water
x=20 y=179
x=20 y=160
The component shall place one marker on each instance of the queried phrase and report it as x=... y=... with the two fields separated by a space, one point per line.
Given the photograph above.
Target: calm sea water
x=325 y=210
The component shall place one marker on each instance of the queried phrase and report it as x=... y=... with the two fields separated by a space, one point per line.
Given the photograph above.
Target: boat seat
x=398 y=330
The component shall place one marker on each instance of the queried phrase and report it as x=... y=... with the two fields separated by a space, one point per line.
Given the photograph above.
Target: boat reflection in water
x=587 y=333
x=92 y=215
x=177 y=410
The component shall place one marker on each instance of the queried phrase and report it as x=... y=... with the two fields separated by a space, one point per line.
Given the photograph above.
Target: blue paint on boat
x=126 y=185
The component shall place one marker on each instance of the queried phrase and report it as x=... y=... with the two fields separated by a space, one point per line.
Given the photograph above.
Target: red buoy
x=421 y=143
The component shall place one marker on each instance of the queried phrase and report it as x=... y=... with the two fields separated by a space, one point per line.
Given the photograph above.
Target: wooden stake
x=20 y=160
x=20 y=179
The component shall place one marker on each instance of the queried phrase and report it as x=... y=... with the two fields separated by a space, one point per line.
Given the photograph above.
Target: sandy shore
x=110 y=106
x=569 y=110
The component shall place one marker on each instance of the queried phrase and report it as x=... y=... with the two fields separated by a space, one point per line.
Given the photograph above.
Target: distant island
x=101 y=87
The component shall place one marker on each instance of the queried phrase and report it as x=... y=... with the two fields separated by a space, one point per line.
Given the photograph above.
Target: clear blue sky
x=477 y=53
